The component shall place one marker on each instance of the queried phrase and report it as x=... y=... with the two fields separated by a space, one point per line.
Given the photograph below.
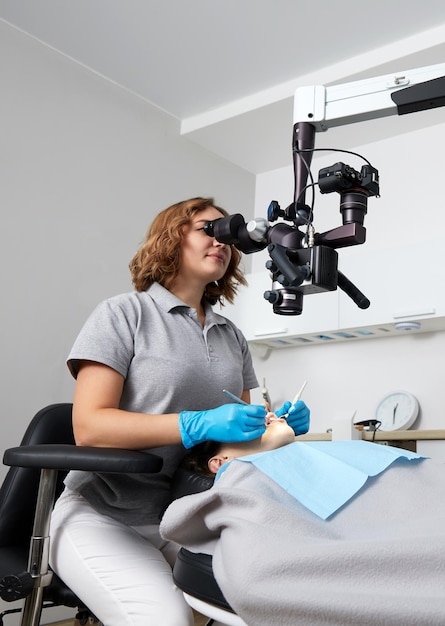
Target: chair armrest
x=86 y=458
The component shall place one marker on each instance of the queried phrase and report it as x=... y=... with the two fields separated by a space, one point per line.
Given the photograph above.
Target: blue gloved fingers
x=299 y=418
x=227 y=423
x=244 y=430
x=299 y=426
x=254 y=434
x=254 y=416
x=255 y=410
x=252 y=423
x=284 y=409
x=297 y=408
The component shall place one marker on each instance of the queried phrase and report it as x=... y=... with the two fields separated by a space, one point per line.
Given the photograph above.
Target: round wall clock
x=398 y=410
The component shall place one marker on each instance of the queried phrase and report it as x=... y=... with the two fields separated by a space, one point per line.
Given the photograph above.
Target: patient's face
x=278 y=433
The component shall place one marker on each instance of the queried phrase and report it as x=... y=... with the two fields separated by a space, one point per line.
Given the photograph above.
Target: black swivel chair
x=35 y=479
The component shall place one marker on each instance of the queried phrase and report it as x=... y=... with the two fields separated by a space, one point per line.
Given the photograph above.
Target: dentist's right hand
x=227 y=423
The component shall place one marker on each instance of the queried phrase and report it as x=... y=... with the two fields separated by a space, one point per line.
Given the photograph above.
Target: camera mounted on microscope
x=303 y=261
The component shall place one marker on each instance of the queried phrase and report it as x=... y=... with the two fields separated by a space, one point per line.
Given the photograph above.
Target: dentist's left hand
x=298 y=416
x=227 y=423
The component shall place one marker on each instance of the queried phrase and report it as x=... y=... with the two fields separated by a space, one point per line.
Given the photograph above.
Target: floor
x=200 y=620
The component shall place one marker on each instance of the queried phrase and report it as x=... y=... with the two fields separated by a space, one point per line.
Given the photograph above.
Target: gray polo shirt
x=169 y=363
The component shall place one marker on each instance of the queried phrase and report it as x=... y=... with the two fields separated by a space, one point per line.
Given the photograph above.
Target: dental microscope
x=301 y=261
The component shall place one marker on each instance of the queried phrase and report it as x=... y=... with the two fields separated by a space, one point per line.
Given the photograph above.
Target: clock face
x=397 y=411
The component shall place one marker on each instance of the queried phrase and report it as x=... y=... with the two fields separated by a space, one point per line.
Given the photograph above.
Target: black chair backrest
x=18 y=493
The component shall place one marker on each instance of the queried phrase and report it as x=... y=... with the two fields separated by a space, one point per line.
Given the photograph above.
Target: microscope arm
x=392 y=94
x=318 y=108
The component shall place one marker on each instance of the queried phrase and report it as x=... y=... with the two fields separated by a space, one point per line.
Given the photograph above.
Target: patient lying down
x=317 y=533
x=206 y=458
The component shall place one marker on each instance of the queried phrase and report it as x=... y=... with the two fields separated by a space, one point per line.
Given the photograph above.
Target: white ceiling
x=227 y=69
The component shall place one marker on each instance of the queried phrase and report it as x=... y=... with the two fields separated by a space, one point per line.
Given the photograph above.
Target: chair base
x=8 y=612
x=193 y=575
x=219 y=616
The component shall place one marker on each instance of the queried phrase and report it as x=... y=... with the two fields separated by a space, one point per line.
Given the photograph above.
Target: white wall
x=84 y=167
x=409 y=210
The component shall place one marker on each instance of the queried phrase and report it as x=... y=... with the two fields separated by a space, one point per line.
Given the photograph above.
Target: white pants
x=122 y=574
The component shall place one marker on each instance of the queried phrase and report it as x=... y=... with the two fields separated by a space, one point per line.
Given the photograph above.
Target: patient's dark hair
x=198 y=457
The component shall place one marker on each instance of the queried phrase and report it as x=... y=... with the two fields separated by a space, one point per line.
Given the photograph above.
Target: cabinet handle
x=413 y=313
x=278 y=331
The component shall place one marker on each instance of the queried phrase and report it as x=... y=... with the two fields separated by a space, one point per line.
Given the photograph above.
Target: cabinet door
x=402 y=283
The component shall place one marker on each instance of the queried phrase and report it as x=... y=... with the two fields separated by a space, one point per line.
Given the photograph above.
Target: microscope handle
x=353 y=292
x=294 y=274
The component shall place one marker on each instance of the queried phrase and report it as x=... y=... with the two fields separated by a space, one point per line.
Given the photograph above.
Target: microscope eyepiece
x=209 y=227
x=233 y=230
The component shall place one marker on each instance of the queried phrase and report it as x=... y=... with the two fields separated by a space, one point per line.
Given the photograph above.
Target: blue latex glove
x=298 y=416
x=227 y=423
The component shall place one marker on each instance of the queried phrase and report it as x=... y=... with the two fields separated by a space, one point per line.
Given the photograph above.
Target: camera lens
x=353 y=206
x=287 y=301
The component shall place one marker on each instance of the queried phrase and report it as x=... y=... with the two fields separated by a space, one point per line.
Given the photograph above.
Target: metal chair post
x=38 y=565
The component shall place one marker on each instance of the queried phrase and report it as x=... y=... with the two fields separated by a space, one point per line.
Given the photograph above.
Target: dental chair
x=193 y=574
x=33 y=482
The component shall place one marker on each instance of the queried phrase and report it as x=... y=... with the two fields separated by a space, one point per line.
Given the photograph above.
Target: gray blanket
x=379 y=560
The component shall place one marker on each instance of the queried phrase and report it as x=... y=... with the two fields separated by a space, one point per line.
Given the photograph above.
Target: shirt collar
x=169 y=302
x=165 y=298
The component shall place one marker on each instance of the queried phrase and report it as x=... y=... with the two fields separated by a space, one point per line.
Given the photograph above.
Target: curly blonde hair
x=158 y=258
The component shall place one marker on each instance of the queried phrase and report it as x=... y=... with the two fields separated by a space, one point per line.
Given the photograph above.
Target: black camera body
x=340 y=177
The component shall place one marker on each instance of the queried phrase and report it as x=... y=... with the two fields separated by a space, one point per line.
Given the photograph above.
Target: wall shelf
x=380 y=435
x=406 y=439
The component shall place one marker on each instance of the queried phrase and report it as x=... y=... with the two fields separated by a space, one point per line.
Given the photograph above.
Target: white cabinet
x=405 y=283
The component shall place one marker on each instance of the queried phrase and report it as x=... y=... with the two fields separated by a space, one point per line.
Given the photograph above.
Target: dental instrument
x=265 y=394
x=234 y=398
x=295 y=400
